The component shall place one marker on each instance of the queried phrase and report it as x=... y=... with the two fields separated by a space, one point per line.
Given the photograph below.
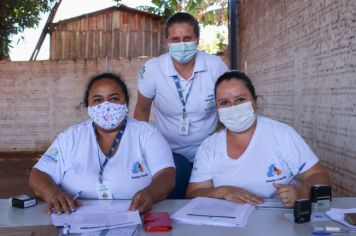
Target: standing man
x=180 y=84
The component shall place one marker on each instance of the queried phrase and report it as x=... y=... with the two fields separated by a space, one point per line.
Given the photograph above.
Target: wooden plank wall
x=111 y=34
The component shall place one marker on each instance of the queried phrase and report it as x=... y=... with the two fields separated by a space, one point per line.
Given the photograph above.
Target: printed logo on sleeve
x=142 y=72
x=274 y=174
x=51 y=155
x=138 y=170
x=210 y=102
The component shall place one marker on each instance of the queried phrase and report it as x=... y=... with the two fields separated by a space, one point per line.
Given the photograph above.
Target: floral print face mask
x=108 y=115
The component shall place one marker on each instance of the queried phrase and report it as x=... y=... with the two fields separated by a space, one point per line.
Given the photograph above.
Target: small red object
x=157 y=222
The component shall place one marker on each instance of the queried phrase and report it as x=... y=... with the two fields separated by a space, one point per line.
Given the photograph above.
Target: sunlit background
x=24 y=44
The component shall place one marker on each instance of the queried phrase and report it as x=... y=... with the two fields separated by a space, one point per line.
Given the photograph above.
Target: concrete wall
x=301 y=56
x=41 y=99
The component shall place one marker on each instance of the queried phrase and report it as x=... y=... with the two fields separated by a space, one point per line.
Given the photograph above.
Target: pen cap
x=302 y=211
x=320 y=192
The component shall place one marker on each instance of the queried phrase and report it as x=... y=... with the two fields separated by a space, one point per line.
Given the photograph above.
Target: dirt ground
x=14 y=172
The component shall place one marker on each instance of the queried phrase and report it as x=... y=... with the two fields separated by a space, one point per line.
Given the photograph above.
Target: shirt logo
x=210 y=102
x=142 y=72
x=137 y=167
x=273 y=171
x=51 y=155
x=138 y=171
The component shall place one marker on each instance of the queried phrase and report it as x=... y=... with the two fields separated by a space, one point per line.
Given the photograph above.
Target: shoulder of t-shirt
x=156 y=61
x=77 y=129
x=210 y=57
x=279 y=128
x=140 y=127
x=214 y=138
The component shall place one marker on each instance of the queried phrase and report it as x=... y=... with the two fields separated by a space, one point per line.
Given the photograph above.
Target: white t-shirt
x=275 y=153
x=156 y=82
x=73 y=160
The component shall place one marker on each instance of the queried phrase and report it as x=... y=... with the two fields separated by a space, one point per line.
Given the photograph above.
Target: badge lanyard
x=179 y=89
x=111 y=151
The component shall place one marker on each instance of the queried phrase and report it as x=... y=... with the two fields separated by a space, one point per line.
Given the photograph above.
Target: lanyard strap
x=179 y=89
x=112 y=149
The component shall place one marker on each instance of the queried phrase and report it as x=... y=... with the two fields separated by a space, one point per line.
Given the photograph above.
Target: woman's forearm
x=43 y=185
x=314 y=179
x=162 y=184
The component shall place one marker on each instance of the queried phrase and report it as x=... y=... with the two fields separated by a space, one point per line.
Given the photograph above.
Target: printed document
x=338 y=215
x=212 y=211
x=96 y=215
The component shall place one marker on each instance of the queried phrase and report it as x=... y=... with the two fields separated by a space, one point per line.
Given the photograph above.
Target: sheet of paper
x=211 y=211
x=96 y=215
x=338 y=215
x=271 y=203
x=122 y=231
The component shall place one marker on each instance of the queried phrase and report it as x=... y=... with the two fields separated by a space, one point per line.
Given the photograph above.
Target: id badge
x=183 y=126
x=103 y=190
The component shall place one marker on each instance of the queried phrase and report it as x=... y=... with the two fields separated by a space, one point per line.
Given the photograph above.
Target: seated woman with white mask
x=253 y=157
x=109 y=156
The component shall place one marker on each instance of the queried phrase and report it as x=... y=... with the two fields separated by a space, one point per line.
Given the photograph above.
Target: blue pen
x=77 y=195
x=320 y=233
x=299 y=170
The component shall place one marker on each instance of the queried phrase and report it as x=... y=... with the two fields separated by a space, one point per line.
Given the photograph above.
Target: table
x=261 y=222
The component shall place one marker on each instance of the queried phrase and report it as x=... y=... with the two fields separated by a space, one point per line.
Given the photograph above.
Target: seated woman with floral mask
x=109 y=156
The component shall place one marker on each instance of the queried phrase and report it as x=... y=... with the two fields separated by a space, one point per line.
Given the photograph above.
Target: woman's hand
x=239 y=195
x=62 y=203
x=287 y=193
x=142 y=201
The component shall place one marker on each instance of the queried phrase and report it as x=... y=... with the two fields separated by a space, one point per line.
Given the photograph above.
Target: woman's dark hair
x=237 y=75
x=111 y=76
x=182 y=17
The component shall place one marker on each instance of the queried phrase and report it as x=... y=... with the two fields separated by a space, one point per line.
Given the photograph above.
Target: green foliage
x=15 y=16
x=219 y=42
x=208 y=12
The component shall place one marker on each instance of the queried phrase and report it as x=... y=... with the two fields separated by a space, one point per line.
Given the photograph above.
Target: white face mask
x=183 y=52
x=238 y=118
x=108 y=115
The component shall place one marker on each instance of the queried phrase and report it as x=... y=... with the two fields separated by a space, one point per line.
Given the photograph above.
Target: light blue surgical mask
x=183 y=52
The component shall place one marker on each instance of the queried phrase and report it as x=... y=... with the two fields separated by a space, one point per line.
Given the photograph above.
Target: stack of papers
x=211 y=211
x=97 y=215
x=338 y=215
x=271 y=203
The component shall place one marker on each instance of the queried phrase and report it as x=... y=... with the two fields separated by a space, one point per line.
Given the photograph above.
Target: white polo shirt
x=275 y=153
x=73 y=160
x=156 y=82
